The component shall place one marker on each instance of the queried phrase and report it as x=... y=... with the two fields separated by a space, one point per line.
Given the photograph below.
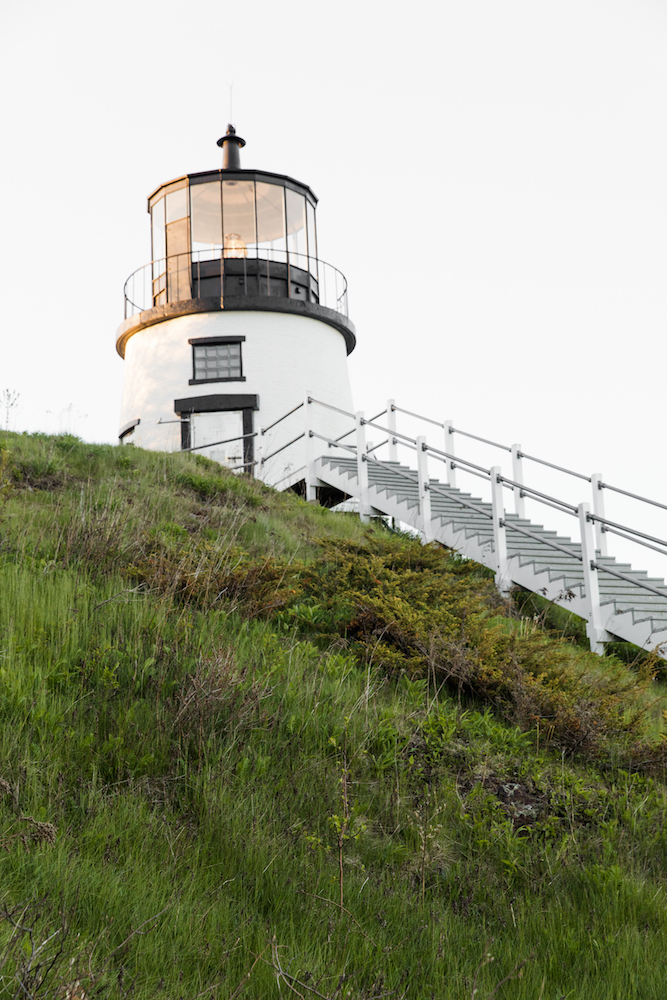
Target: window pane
x=206 y=213
x=218 y=361
x=312 y=238
x=296 y=228
x=157 y=219
x=238 y=215
x=178 y=261
x=177 y=204
x=271 y=219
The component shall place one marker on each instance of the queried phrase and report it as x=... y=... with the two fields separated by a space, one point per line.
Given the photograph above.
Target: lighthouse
x=233 y=322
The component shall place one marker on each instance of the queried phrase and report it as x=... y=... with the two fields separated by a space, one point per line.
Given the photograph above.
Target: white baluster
x=449 y=448
x=427 y=528
x=309 y=441
x=391 y=423
x=517 y=476
x=598 y=509
x=503 y=583
x=362 y=468
x=594 y=630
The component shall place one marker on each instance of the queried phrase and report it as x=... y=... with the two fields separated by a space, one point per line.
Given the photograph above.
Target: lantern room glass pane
x=206 y=220
x=312 y=238
x=158 y=244
x=178 y=261
x=177 y=205
x=271 y=221
x=238 y=217
x=296 y=228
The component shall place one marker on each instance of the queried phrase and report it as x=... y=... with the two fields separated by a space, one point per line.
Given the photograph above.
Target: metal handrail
x=243 y=465
x=432 y=488
x=419 y=416
x=556 y=506
x=388 y=430
x=265 y=458
x=637 y=541
x=504 y=523
x=455 y=458
x=628 y=579
x=475 y=437
x=347 y=433
x=399 y=472
x=560 y=468
x=331 y=442
x=171 y=270
x=458 y=499
x=353 y=429
x=528 y=490
x=292 y=472
x=375 y=446
x=635 y=496
x=284 y=417
x=213 y=444
x=471 y=472
x=622 y=527
x=329 y=406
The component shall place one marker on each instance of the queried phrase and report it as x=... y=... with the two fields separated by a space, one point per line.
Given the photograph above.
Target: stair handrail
x=628 y=579
x=375 y=446
x=331 y=442
x=280 y=419
x=243 y=465
x=559 y=468
x=476 y=437
x=330 y=406
x=432 y=487
x=568 y=508
x=635 y=496
x=265 y=458
x=213 y=444
x=287 y=475
x=612 y=524
x=539 y=538
x=596 y=480
x=455 y=458
x=629 y=538
x=388 y=430
x=419 y=416
x=524 y=490
x=347 y=433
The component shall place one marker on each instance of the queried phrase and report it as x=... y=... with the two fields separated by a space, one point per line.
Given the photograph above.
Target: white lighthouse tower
x=235 y=319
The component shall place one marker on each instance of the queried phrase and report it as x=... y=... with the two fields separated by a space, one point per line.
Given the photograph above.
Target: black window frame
x=213 y=342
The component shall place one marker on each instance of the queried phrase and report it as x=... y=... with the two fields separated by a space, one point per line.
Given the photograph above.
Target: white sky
x=492 y=178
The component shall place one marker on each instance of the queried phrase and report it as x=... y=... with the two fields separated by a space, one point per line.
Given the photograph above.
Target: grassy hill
x=252 y=748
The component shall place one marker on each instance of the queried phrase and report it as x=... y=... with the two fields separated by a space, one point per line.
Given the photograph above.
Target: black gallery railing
x=217 y=273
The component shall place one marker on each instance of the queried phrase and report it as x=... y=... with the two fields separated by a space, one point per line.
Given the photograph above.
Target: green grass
x=214 y=699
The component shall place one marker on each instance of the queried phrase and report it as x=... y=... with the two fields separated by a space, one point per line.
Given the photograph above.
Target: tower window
x=217 y=359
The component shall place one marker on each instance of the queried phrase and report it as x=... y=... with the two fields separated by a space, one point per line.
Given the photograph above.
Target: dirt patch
x=522 y=804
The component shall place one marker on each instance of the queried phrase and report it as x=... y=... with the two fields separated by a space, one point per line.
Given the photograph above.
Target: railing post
x=517 y=476
x=503 y=582
x=594 y=630
x=391 y=420
x=427 y=531
x=598 y=510
x=309 y=442
x=362 y=468
x=259 y=446
x=449 y=448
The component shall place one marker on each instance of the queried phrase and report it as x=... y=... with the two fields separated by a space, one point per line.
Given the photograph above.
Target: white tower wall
x=283 y=355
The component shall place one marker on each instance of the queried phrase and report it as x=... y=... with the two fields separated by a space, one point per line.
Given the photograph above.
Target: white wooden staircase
x=615 y=600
